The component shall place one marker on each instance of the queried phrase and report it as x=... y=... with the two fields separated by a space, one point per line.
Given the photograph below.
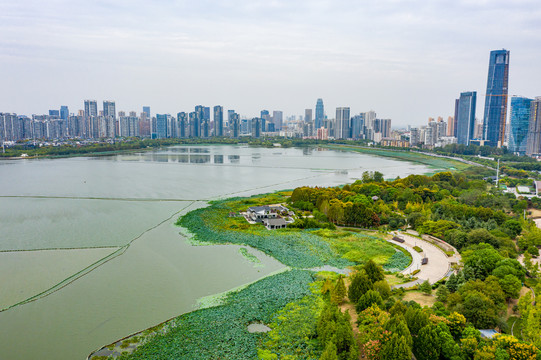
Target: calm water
x=59 y=217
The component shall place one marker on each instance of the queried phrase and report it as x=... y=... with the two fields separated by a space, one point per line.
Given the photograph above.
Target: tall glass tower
x=320 y=114
x=518 y=126
x=465 y=122
x=496 y=98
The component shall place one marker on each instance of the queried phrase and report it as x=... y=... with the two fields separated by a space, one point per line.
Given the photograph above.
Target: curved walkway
x=437 y=268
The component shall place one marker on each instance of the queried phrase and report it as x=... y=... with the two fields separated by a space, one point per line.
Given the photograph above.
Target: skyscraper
x=146 y=110
x=218 y=121
x=307 y=115
x=161 y=126
x=109 y=109
x=234 y=123
x=518 y=125
x=182 y=120
x=533 y=145
x=465 y=123
x=342 y=123
x=203 y=127
x=320 y=114
x=277 y=119
x=91 y=108
x=496 y=98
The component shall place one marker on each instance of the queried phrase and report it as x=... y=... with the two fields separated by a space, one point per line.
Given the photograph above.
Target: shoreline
x=156 y=329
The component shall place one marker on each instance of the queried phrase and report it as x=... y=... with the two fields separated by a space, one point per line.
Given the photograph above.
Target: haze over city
x=406 y=60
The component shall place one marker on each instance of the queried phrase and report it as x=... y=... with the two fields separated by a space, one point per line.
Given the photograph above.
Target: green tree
x=426 y=288
x=395 y=349
x=383 y=288
x=330 y=352
x=368 y=299
x=427 y=344
x=373 y=271
x=441 y=293
x=511 y=286
x=416 y=319
x=339 y=291
x=359 y=285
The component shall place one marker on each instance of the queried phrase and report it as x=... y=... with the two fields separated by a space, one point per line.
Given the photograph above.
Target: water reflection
x=199 y=150
x=218 y=159
x=199 y=159
x=234 y=159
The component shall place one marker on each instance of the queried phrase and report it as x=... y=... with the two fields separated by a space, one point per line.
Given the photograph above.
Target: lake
x=92 y=241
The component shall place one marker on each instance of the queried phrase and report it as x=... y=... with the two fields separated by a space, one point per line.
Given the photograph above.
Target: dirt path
x=348 y=306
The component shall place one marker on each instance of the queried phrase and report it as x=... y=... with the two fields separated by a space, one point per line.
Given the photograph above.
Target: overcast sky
x=405 y=59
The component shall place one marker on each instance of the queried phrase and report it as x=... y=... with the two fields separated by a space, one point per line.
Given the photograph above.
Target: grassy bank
x=297 y=248
x=435 y=163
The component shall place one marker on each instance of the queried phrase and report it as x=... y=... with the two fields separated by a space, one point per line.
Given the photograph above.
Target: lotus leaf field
x=221 y=332
x=297 y=248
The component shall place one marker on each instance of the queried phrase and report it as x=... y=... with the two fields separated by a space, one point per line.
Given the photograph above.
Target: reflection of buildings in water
x=307 y=151
x=218 y=159
x=178 y=150
x=199 y=150
x=233 y=159
x=183 y=158
x=256 y=157
x=199 y=159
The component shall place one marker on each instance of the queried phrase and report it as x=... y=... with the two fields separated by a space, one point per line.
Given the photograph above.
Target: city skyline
x=281 y=55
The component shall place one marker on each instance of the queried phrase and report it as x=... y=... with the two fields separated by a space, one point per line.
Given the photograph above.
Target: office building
x=320 y=114
x=109 y=109
x=465 y=124
x=256 y=127
x=234 y=123
x=182 y=121
x=218 y=121
x=91 y=108
x=496 y=98
x=533 y=144
x=161 y=126
x=518 y=125
x=277 y=119
x=342 y=123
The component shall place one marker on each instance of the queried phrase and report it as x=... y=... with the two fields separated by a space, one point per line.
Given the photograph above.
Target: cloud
x=382 y=54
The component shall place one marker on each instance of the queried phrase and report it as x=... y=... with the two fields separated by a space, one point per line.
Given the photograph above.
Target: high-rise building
x=518 y=126
x=277 y=119
x=182 y=121
x=496 y=98
x=256 y=127
x=342 y=123
x=307 y=115
x=320 y=114
x=357 y=126
x=109 y=109
x=450 y=126
x=203 y=125
x=195 y=124
x=91 y=108
x=54 y=114
x=533 y=145
x=146 y=110
x=234 y=123
x=161 y=126
x=455 y=118
x=465 y=123
x=218 y=121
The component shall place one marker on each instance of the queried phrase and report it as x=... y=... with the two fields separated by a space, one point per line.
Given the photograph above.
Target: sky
x=405 y=59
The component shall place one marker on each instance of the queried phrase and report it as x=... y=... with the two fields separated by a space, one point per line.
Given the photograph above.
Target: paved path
x=438 y=266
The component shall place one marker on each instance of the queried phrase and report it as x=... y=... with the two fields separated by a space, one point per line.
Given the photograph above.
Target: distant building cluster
x=203 y=122
x=92 y=123
x=364 y=126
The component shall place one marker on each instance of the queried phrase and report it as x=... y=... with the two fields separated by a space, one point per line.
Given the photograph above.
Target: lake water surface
x=96 y=235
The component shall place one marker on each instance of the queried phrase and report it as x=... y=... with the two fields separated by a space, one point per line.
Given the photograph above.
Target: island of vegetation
x=484 y=309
